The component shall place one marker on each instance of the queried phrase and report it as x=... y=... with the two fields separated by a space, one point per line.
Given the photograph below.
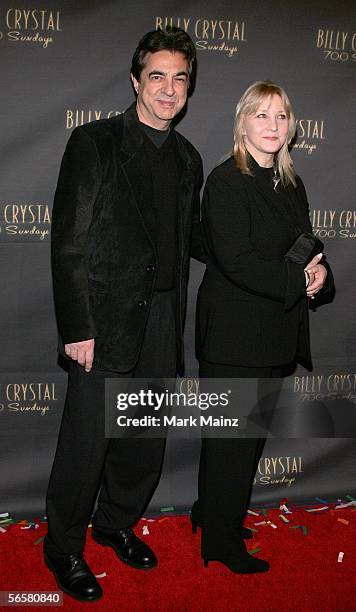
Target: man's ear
x=135 y=82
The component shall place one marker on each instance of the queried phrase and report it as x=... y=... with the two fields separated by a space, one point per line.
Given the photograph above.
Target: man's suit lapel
x=136 y=169
x=133 y=163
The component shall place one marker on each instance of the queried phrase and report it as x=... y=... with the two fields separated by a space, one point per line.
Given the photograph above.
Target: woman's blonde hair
x=247 y=105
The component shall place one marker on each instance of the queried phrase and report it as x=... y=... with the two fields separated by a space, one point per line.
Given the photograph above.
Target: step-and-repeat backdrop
x=66 y=63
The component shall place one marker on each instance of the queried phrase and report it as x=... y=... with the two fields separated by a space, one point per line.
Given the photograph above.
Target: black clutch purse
x=305 y=247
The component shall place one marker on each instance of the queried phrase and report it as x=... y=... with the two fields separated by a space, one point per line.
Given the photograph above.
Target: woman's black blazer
x=252 y=308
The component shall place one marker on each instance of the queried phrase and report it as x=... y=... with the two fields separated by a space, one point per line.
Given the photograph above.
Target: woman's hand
x=317 y=274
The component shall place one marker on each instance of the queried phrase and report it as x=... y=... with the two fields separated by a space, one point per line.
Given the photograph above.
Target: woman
x=252 y=310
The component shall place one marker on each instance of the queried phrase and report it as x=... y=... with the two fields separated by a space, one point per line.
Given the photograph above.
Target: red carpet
x=305 y=574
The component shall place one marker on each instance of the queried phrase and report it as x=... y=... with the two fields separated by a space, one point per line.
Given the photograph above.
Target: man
x=127 y=193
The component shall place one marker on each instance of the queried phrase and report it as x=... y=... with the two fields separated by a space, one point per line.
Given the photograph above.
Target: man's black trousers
x=126 y=471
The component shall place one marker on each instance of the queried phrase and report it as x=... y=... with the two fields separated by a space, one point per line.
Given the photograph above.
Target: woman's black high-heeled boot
x=246 y=533
x=243 y=563
x=252 y=565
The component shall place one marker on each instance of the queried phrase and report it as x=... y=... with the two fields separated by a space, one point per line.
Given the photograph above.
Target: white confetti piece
x=2 y=530
x=145 y=530
x=261 y=523
x=100 y=575
x=285 y=509
x=4 y=514
x=340 y=557
x=284 y=518
x=351 y=503
x=252 y=512
x=272 y=524
x=317 y=509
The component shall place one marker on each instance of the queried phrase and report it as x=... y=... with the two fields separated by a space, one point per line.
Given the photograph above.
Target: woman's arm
x=323 y=285
x=227 y=224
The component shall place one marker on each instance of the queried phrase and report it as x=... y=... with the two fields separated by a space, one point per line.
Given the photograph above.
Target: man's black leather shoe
x=128 y=547
x=74 y=577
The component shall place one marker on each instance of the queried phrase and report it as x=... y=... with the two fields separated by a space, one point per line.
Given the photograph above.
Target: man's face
x=162 y=89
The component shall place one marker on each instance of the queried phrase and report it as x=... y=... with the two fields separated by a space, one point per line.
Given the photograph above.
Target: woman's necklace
x=275 y=178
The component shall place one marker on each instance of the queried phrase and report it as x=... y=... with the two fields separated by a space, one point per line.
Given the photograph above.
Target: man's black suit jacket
x=104 y=256
x=252 y=307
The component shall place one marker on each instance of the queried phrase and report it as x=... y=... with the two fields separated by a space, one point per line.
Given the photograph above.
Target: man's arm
x=78 y=185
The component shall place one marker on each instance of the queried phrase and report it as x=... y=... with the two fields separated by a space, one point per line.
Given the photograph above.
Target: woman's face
x=266 y=130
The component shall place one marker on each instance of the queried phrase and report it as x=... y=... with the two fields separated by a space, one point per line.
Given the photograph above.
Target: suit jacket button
x=142 y=303
x=151 y=268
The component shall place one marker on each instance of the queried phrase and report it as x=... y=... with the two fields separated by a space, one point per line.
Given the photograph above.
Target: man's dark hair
x=171 y=39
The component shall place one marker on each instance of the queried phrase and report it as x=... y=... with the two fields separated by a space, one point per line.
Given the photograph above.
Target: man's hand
x=319 y=273
x=82 y=352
